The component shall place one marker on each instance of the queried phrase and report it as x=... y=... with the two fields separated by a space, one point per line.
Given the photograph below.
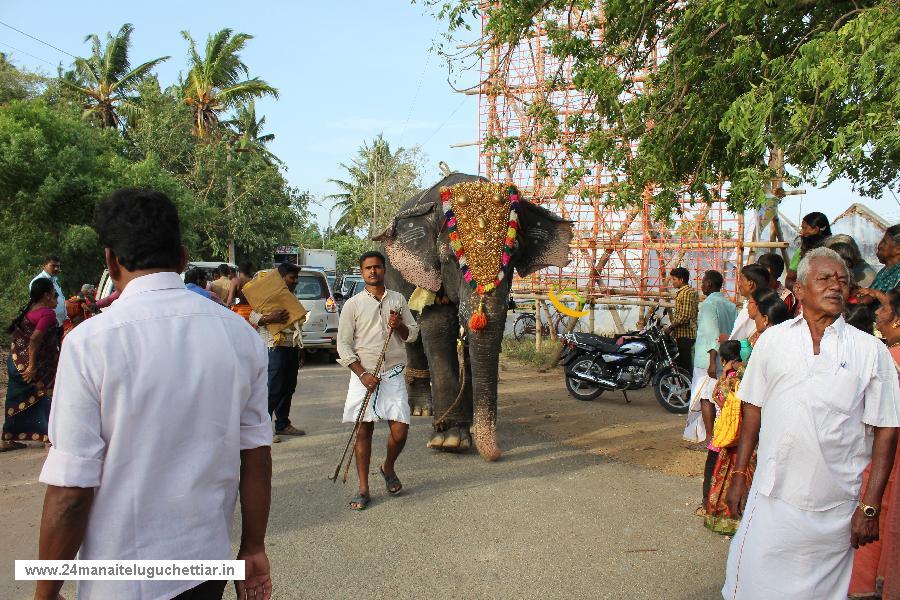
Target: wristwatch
x=869 y=511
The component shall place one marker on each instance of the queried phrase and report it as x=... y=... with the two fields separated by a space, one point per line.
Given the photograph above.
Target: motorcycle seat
x=602 y=344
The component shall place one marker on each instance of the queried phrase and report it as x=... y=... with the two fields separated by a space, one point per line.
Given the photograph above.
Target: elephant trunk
x=484 y=355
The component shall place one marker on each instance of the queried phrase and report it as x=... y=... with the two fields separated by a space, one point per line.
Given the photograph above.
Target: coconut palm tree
x=105 y=79
x=219 y=80
x=248 y=135
x=379 y=181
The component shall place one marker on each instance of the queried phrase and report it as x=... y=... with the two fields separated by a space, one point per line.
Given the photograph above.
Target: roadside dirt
x=640 y=432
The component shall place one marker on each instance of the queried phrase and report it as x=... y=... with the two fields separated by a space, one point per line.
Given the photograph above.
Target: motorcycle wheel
x=673 y=390
x=579 y=389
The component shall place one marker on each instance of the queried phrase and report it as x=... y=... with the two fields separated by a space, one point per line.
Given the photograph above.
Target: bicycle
x=525 y=326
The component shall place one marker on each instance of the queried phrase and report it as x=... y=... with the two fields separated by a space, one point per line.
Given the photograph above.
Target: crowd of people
x=800 y=424
x=794 y=398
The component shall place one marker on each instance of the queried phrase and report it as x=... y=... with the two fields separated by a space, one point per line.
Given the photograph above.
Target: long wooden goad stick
x=361 y=415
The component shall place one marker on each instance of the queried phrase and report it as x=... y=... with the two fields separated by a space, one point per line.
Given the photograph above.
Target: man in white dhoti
x=365 y=321
x=822 y=399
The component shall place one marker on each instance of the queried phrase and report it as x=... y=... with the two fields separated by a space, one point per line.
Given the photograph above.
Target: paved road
x=548 y=521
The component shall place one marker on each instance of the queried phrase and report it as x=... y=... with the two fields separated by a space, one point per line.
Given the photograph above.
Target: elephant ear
x=410 y=242
x=543 y=239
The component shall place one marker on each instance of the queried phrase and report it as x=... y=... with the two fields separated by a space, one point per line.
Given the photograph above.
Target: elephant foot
x=421 y=411
x=455 y=439
x=486 y=443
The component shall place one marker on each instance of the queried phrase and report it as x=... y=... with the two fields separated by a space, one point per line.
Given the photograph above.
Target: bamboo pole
x=605 y=301
x=723 y=245
x=620 y=326
x=591 y=317
x=537 y=326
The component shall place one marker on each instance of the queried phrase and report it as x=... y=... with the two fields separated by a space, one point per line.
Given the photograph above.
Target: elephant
x=420 y=254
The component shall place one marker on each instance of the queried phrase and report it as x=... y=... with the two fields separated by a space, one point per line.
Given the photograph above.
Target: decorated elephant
x=452 y=250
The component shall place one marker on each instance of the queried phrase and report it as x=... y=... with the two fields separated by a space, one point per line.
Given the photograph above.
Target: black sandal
x=360 y=502
x=392 y=482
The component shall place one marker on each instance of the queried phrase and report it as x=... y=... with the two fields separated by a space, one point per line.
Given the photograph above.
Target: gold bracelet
x=744 y=473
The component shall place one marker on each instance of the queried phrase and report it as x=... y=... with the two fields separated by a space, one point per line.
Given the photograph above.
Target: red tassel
x=478 y=320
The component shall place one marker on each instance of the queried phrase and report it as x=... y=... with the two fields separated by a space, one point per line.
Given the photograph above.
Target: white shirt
x=60 y=309
x=744 y=326
x=154 y=400
x=363 y=327
x=814 y=442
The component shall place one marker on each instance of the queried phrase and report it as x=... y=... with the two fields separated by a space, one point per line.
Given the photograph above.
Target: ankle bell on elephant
x=464 y=237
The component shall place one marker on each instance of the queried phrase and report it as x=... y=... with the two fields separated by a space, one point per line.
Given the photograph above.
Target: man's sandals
x=360 y=502
x=392 y=482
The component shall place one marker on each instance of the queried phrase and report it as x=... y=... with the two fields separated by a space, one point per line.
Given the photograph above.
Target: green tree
x=105 y=81
x=54 y=169
x=737 y=83
x=379 y=180
x=16 y=84
x=249 y=132
x=219 y=80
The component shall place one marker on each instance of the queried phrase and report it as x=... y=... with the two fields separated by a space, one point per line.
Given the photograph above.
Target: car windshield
x=311 y=287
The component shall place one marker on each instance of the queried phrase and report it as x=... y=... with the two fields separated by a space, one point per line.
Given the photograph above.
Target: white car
x=321 y=327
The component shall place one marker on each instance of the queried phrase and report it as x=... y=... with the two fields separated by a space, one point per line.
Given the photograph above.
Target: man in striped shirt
x=683 y=323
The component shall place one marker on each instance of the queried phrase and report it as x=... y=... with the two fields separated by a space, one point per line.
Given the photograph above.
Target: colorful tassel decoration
x=479 y=320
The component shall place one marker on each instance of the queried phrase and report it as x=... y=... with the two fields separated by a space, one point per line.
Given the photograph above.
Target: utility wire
x=14 y=49
x=447 y=120
x=37 y=39
x=415 y=95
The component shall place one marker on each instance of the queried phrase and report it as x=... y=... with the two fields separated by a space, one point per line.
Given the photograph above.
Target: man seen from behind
x=153 y=435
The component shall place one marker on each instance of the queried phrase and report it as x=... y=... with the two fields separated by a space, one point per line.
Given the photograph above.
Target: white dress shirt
x=154 y=400
x=363 y=327
x=818 y=410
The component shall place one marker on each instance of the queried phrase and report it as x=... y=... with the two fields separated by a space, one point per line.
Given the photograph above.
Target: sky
x=346 y=71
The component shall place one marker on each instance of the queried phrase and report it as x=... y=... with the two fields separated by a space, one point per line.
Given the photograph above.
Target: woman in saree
x=32 y=368
x=767 y=309
x=876 y=566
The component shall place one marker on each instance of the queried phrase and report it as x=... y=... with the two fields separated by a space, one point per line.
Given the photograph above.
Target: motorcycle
x=595 y=364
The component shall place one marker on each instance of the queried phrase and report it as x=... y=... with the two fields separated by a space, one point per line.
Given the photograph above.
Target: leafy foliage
x=737 y=82
x=215 y=81
x=106 y=79
x=379 y=180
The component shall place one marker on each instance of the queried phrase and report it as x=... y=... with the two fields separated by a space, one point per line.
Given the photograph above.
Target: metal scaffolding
x=616 y=252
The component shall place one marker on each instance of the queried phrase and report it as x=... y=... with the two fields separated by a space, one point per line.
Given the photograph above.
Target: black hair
x=770 y=305
x=286 y=267
x=756 y=273
x=246 y=267
x=51 y=258
x=681 y=273
x=893 y=232
x=819 y=220
x=847 y=253
x=223 y=269
x=861 y=316
x=773 y=263
x=715 y=278
x=41 y=286
x=894 y=299
x=730 y=350
x=195 y=276
x=141 y=227
x=372 y=254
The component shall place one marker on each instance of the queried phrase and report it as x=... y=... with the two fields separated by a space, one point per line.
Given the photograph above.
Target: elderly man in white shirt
x=822 y=400
x=154 y=435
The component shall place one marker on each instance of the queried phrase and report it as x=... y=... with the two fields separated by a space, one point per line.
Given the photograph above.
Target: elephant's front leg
x=484 y=350
x=418 y=380
x=452 y=410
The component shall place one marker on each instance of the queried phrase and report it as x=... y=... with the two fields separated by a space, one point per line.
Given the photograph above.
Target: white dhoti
x=702 y=386
x=389 y=402
x=781 y=551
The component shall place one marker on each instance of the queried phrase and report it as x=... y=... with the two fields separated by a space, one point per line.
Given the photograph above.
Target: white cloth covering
x=744 y=326
x=391 y=402
x=702 y=386
x=155 y=398
x=781 y=551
